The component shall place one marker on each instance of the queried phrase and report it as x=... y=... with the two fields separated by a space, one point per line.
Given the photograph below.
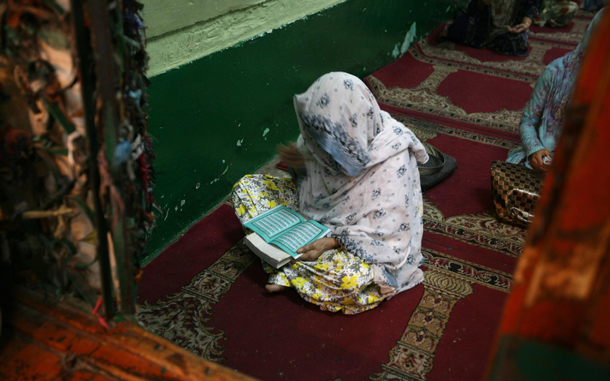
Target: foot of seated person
x=443 y=35
x=271 y=288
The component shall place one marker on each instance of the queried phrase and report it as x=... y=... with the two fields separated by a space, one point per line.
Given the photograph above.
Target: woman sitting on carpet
x=357 y=175
x=499 y=25
x=542 y=120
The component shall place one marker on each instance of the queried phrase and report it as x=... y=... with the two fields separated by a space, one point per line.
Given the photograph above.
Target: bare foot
x=443 y=35
x=275 y=288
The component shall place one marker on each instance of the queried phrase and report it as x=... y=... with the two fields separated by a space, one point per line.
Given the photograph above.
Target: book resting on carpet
x=279 y=233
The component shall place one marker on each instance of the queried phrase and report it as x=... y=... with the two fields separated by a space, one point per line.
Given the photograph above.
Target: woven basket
x=516 y=190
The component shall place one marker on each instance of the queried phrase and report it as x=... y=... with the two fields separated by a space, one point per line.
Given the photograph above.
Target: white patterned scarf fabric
x=361 y=178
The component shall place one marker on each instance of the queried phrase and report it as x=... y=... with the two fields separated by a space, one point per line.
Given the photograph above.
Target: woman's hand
x=291 y=155
x=536 y=160
x=313 y=251
x=525 y=25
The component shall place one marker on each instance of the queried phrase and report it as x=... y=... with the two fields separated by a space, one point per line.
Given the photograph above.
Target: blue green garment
x=485 y=26
x=540 y=127
x=542 y=119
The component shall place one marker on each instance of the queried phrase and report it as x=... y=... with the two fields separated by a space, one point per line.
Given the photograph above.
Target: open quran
x=279 y=233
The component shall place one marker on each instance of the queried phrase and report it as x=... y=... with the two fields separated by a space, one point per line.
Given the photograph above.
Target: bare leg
x=275 y=288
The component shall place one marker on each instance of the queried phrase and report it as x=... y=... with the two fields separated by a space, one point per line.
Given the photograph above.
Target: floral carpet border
x=469 y=271
x=424 y=99
x=425 y=130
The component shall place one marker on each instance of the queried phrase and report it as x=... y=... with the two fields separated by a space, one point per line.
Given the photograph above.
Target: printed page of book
x=271 y=254
x=299 y=236
x=274 y=222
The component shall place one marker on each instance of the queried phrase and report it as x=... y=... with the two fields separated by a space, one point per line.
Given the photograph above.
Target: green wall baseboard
x=221 y=116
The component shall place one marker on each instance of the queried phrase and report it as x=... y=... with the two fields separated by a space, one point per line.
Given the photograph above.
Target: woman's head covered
x=343 y=126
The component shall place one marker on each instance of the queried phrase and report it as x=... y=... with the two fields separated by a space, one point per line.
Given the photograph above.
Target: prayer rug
x=206 y=292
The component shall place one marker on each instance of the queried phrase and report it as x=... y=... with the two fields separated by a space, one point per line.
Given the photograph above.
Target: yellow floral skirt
x=336 y=281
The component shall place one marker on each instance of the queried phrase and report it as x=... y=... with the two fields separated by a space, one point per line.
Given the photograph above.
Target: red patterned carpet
x=206 y=292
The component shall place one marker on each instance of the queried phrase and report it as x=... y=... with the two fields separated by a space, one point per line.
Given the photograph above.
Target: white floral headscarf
x=361 y=179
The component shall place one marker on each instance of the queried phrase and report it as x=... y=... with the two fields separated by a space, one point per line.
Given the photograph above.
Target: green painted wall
x=181 y=31
x=220 y=117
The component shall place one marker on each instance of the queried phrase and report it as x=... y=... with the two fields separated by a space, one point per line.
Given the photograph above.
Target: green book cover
x=286 y=229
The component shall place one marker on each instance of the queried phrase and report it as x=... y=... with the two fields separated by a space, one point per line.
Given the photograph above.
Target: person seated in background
x=542 y=120
x=593 y=5
x=498 y=25
x=556 y=13
x=357 y=175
